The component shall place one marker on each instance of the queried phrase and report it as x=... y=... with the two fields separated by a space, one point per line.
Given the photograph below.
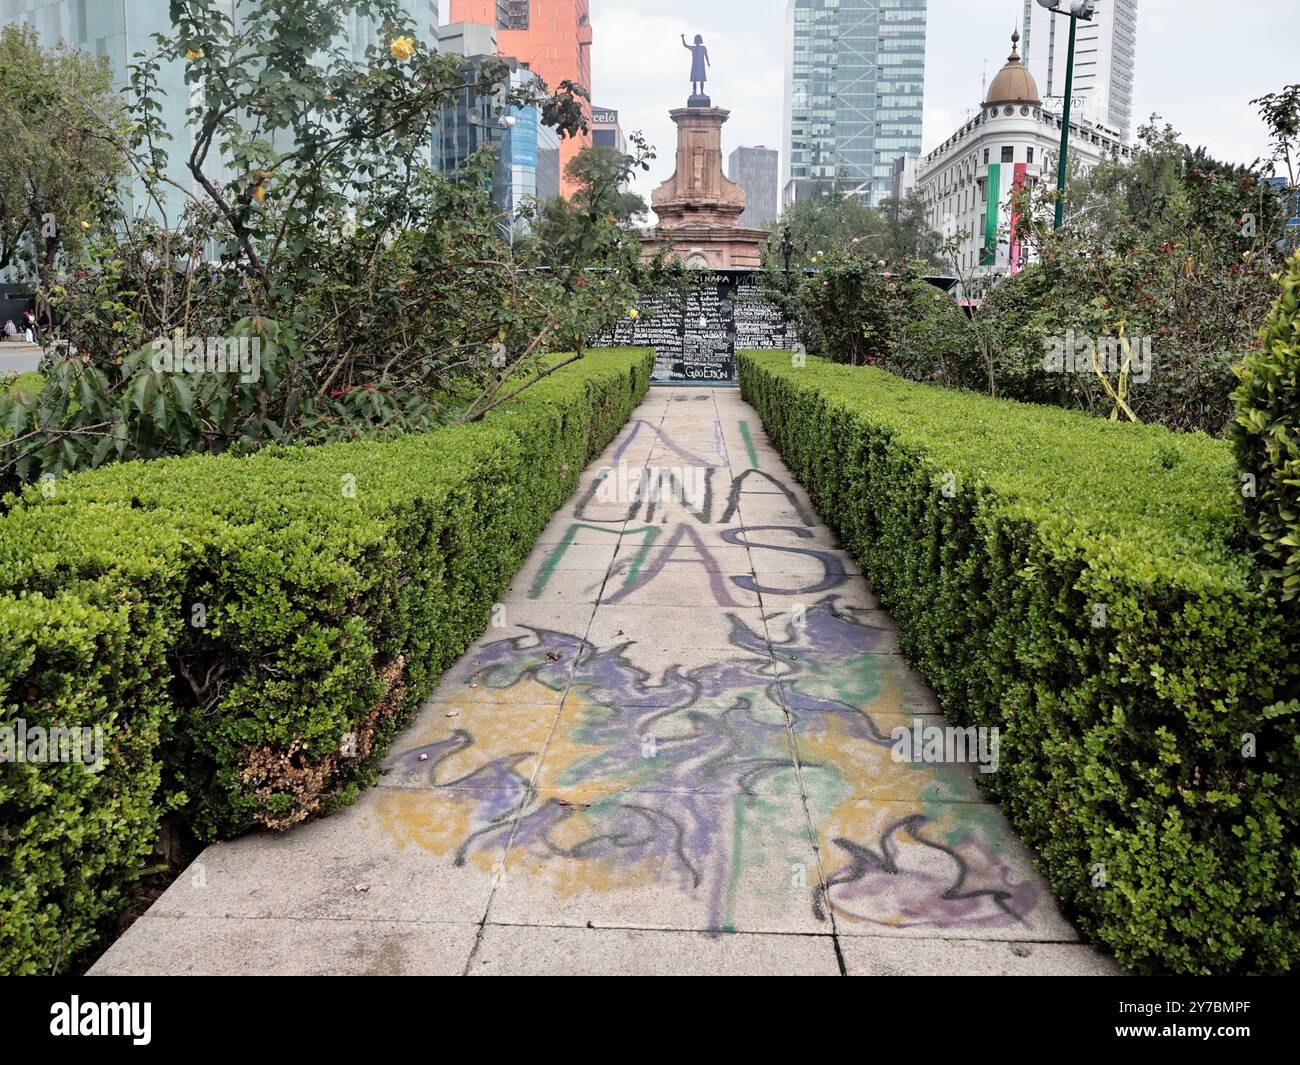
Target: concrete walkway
x=671 y=754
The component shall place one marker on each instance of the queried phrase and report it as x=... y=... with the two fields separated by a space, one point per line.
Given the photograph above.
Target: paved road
x=672 y=755
x=18 y=358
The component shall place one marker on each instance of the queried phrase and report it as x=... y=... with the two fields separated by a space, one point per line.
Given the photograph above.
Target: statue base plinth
x=715 y=247
x=699 y=207
x=698 y=101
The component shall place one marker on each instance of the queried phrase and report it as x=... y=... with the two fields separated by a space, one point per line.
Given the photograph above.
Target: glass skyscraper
x=527 y=151
x=1105 y=59
x=757 y=171
x=855 y=81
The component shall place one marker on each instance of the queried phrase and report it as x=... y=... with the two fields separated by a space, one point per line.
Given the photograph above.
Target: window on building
x=516 y=15
x=1008 y=154
x=1029 y=153
x=986 y=156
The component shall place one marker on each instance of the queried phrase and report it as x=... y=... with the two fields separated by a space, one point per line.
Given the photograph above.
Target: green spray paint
x=749 y=445
x=639 y=558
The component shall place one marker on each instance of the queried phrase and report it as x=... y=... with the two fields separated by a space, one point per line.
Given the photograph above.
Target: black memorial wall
x=696 y=337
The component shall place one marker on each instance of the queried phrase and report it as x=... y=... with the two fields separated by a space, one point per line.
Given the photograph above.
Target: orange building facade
x=552 y=38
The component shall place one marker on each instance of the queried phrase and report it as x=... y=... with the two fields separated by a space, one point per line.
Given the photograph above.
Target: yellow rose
x=402 y=48
x=633 y=313
x=193 y=54
x=260 y=180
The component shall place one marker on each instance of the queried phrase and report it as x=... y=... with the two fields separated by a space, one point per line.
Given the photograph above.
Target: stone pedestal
x=699 y=207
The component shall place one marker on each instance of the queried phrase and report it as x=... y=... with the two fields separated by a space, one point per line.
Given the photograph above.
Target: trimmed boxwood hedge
x=252 y=632
x=1086 y=587
x=1266 y=434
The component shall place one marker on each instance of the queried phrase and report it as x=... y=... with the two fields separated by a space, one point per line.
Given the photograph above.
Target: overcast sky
x=1199 y=63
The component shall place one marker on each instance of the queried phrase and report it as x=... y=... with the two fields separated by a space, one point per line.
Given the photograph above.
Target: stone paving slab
x=582 y=587
x=380 y=860
x=685 y=583
x=931 y=870
x=769 y=542
x=661 y=535
x=790 y=566
x=827 y=740
x=865 y=956
x=672 y=750
x=870 y=682
x=206 y=946
x=563 y=530
x=682 y=553
x=725 y=748
x=665 y=629
x=613 y=675
x=484 y=747
x=647 y=860
x=521 y=950
x=594 y=558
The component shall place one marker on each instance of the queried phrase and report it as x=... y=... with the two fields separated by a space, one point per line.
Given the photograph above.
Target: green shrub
x=31 y=381
x=70 y=837
x=933 y=340
x=846 y=310
x=1266 y=433
x=854 y=309
x=257 y=629
x=1086 y=588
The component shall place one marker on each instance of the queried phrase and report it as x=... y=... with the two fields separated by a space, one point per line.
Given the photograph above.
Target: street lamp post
x=1079 y=9
x=787 y=248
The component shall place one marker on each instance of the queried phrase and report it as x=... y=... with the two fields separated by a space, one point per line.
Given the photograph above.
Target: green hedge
x=1266 y=434
x=1087 y=588
x=252 y=632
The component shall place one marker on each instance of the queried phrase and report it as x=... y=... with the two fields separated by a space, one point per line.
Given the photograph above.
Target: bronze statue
x=699 y=64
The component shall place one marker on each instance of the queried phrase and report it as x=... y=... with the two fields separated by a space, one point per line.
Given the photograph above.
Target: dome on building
x=1014 y=84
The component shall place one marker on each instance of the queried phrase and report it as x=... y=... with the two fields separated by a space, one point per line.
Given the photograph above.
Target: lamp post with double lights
x=1078 y=9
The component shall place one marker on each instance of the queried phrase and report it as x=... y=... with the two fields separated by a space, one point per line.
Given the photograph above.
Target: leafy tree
x=599 y=174
x=908 y=235
x=1168 y=254
x=1168 y=192
x=1281 y=113
x=897 y=232
x=822 y=224
x=853 y=308
x=381 y=294
x=58 y=166
x=1173 y=249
